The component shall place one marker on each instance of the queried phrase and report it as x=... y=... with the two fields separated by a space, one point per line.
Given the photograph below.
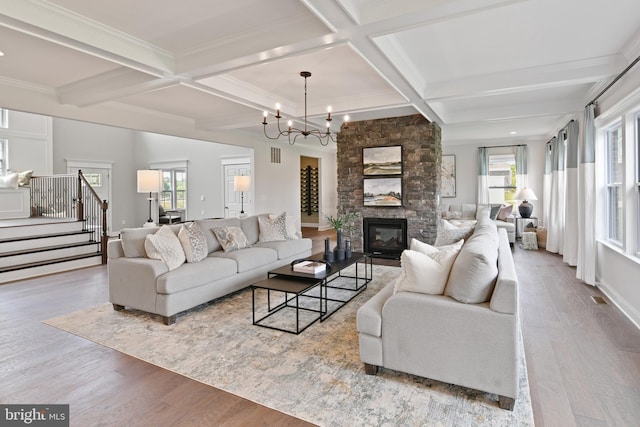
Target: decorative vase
x=347 y=248
x=338 y=251
x=525 y=209
x=328 y=255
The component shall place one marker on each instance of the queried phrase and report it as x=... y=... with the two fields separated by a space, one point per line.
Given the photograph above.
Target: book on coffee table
x=311 y=267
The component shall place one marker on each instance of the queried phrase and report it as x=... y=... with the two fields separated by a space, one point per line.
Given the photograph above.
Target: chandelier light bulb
x=289 y=123
x=328 y=124
x=346 y=118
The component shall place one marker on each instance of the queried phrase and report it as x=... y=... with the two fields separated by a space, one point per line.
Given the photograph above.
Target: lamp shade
x=149 y=181
x=526 y=193
x=241 y=183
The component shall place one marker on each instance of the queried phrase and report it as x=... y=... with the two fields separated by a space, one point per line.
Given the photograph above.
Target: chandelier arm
x=270 y=137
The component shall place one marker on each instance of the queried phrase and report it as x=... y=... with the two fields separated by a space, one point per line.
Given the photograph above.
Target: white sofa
x=146 y=284
x=467 y=214
x=473 y=345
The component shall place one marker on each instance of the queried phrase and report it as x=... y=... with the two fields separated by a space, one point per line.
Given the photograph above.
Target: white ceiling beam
x=110 y=86
x=50 y=22
x=515 y=111
x=513 y=81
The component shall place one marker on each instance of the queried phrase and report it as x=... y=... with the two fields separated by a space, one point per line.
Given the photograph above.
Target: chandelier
x=324 y=136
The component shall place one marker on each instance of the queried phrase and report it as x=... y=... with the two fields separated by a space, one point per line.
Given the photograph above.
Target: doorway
x=236 y=202
x=309 y=191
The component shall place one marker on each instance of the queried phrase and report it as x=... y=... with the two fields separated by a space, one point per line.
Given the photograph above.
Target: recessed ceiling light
x=1 y=53
x=513 y=132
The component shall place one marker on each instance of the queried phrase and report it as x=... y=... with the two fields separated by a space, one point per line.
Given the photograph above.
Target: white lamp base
x=149 y=224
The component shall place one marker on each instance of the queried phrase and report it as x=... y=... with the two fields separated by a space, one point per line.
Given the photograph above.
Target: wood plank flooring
x=583 y=359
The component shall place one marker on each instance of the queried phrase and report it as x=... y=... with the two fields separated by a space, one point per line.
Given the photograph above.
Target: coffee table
x=335 y=288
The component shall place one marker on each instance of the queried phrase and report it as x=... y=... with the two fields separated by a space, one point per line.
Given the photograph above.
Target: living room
x=86 y=110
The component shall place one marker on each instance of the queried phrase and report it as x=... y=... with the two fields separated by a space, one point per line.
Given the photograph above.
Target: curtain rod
x=618 y=77
x=502 y=146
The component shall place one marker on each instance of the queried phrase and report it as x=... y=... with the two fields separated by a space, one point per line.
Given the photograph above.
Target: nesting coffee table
x=317 y=296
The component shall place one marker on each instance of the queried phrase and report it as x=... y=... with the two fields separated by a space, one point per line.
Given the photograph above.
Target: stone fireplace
x=421 y=162
x=385 y=237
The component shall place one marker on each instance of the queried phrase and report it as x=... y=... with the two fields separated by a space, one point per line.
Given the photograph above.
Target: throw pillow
x=10 y=180
x=474 y=271
x=273 y=229
x=165 y=246
x=449 y=233
x=495 y=210
x=293 y=228
x=425 y=273
x=24 y=178
x=452 y=214
x=425 y=248
x=194 y=242
x=231 y=238
x=504 y=212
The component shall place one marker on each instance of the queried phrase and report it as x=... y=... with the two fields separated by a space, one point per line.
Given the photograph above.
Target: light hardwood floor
x=583 y=359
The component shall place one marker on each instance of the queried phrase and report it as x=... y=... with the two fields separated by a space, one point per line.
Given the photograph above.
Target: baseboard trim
x=627 y=309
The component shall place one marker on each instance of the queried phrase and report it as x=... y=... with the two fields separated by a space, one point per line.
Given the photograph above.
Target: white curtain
x=555 y=229
x=546 y=184
x=586 y=265
x=522 y=177
x=483 y=176
x=571 y=207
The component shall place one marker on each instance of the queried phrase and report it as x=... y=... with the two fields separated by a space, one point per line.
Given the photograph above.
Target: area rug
x=316 y=376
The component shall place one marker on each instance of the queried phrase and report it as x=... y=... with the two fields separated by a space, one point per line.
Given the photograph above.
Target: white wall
x=467 y=171
x=75 y=140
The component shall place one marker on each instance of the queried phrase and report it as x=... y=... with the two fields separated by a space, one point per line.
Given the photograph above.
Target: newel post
x=80 y=198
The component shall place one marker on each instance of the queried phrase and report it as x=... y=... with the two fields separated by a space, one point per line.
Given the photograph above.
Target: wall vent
x=275 y=155
x=598 y=299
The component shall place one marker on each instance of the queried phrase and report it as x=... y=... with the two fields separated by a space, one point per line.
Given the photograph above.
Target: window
x=502 y=178
x=3 y=156
x=4 y=118
x=174 y=189
x=614 y=175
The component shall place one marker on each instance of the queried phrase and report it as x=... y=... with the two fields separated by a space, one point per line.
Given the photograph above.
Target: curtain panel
x=586 y=259
x=555 y=228
x=483 y=176
x=571 y=206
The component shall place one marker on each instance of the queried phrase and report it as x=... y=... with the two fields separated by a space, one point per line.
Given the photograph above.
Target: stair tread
x=43 y=236
x=49 y=262
x=48 y=248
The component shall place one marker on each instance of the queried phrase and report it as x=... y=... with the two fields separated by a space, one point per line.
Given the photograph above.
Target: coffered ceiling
x=485 y=70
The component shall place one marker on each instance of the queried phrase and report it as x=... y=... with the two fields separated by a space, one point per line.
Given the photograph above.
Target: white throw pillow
x=273 y=229
x=24 y=178
x=165 y=246
x=425 y=248
x=194 y=242
x=293 y=227
x=425 y=273
x=449 y=233
x=10 y=180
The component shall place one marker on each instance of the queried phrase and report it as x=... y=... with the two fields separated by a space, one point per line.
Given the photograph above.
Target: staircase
x=38 y=246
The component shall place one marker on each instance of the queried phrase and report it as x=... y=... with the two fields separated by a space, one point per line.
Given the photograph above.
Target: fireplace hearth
x=385 y=237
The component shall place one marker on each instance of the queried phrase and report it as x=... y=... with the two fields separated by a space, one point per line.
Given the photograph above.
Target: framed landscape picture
x=382 y=192
x=382 y=160
x=448 y=176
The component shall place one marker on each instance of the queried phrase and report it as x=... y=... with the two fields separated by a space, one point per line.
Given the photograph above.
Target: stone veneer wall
x=421 y=157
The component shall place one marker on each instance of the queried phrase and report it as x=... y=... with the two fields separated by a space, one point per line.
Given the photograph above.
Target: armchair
x=168 y=217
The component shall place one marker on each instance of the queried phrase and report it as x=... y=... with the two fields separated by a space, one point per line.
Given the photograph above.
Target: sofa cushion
x=193 y=275
x=251 y=228
x=231 y=238
x=249 y=258
x=425 y=273
x=193 y=242
x=468 y=211
x=165 y=246
x=474 y=270
x=273 y=228
x=288 y=248
x=208 y=225
x=24 y=178
x=133 y=241
x=449 y=233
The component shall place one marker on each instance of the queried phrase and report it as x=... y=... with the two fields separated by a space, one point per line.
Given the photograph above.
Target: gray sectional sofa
x=474 y=344
x=141 y=283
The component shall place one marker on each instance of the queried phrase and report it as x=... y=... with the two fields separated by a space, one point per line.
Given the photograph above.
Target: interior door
x=235 y=202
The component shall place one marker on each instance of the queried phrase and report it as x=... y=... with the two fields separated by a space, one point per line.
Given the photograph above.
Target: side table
x=522 y=222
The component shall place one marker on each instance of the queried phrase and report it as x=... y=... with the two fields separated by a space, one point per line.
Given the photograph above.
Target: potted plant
x=340 y=223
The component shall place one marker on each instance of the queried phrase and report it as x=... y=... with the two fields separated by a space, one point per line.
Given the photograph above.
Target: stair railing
x=68 y=196
x=93 y=211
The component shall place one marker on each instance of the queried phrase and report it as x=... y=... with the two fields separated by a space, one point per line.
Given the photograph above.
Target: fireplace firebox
x=385 y=237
